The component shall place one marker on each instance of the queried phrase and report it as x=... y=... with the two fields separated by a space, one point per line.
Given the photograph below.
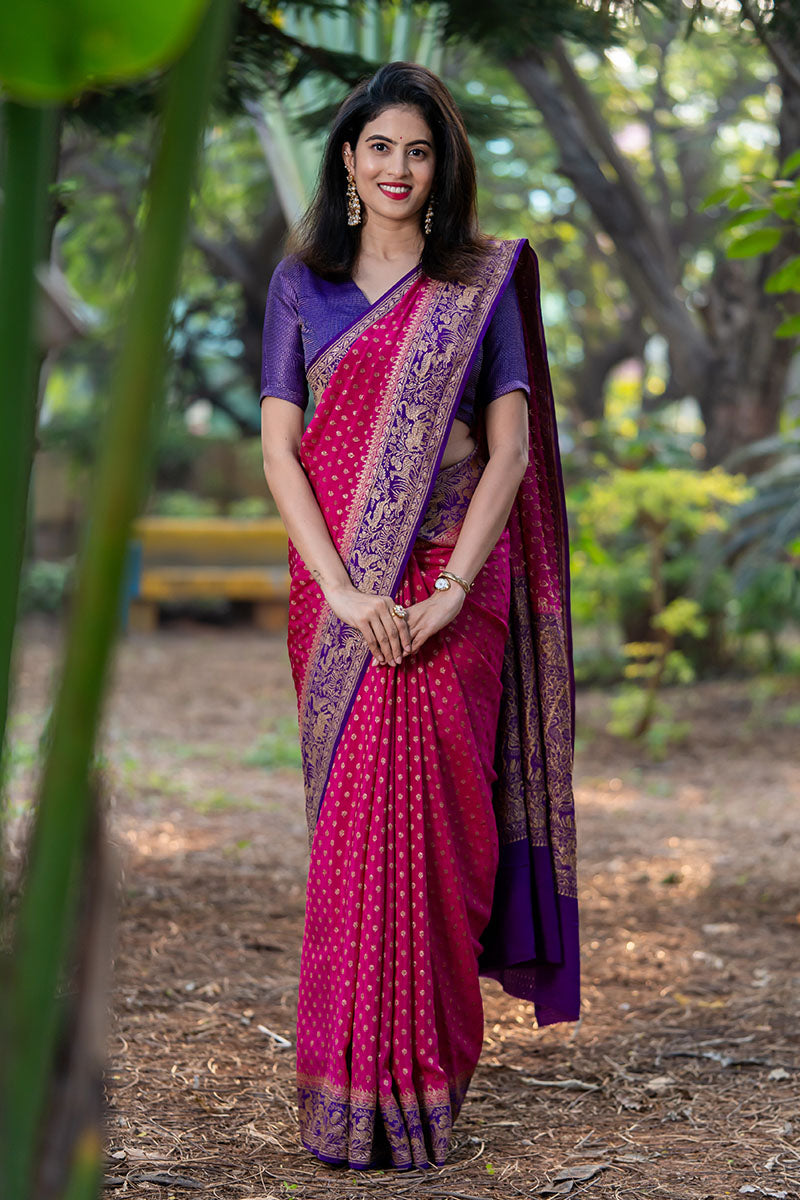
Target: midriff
x=460 y=443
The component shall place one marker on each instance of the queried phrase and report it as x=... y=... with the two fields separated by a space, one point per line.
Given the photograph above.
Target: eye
x=379 y=145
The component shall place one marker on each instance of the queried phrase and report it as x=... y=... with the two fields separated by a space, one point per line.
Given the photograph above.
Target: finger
x=390 y=623
x=369 y=637
x=384 y=651
x=388 y=630
x=418 y=641
x=388 y=636
x=403 y=632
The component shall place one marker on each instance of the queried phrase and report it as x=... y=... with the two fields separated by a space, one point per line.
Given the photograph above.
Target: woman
x=429 y=632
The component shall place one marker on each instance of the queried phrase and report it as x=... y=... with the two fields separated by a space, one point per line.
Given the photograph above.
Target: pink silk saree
x=438 y=792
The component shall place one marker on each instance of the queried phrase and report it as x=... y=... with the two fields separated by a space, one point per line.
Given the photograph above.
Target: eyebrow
x=381 y=137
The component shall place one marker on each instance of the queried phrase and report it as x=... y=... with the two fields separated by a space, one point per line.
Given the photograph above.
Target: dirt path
x=682 y=1078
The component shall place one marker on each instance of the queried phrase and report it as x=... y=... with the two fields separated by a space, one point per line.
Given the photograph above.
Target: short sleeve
x=283 y=371
x=504 y=367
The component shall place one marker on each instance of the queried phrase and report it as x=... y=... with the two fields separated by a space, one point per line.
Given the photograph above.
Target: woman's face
x=394 y=163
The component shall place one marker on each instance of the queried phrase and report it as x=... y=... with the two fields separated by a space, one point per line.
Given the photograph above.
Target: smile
x=398 y=191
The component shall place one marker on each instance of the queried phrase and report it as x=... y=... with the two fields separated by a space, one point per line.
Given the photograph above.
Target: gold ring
x=399 y=611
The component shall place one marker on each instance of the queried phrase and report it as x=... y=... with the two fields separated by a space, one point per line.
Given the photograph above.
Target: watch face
x=442 y=585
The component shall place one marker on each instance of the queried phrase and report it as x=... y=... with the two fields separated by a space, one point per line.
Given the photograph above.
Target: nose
x=398 y=165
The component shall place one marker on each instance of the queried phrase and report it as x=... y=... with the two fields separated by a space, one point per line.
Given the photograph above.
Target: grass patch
x=278 y=748
x=220 y=801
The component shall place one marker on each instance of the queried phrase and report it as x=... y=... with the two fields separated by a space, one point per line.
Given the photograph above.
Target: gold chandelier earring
x=353 y=201
x=428 y=225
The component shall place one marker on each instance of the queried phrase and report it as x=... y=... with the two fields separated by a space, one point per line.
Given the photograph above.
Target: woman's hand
x=433 y=613
x=386 y=635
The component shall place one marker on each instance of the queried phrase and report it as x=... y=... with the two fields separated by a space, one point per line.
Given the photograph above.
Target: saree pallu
x=438 y=791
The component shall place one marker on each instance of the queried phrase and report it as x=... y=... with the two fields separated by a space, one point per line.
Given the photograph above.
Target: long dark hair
x=323 y=239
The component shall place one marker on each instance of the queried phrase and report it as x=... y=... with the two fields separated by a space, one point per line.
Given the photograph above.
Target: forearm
x=488 y=512
x=304 y=522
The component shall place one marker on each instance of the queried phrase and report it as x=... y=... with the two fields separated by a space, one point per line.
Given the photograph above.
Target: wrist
x=335 y=587
x=453 y=598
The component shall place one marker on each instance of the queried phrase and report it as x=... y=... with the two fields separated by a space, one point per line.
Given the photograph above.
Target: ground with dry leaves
x=682 y=1078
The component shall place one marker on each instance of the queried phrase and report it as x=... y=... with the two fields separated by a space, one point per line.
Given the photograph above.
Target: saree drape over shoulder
x=439 y=794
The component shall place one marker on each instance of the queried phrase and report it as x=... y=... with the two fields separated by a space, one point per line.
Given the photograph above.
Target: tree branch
x=642 y=259
x=775 y=49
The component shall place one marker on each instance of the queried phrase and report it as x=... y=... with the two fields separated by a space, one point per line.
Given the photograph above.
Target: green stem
x=47 y=904
x=29 y=158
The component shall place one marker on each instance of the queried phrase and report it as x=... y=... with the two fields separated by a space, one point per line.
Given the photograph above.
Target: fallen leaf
x=560 y=1189
x=581 y=1173
x=658 y=1084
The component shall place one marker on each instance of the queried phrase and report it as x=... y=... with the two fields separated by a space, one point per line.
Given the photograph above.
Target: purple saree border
x=460 y=390
x=559 y=473
x=447 y=426
x=531 y=943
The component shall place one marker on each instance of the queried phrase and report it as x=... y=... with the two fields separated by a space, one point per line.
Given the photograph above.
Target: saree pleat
x=390 y=1026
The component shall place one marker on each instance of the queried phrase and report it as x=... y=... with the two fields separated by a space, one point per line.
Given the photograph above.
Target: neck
x=389 y=240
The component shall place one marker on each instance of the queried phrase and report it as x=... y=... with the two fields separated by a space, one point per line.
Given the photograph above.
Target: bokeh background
x=648 y=158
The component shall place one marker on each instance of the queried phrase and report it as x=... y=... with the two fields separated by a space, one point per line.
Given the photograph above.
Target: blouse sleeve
x=504 y=367
x=283 y=371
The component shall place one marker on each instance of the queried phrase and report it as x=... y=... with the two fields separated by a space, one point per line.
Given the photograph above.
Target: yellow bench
x=211 y=558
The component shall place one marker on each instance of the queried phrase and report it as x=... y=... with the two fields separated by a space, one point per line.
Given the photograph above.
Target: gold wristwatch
x=443 y=583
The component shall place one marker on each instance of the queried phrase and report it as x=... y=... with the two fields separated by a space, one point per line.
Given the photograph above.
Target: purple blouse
x=304 y=312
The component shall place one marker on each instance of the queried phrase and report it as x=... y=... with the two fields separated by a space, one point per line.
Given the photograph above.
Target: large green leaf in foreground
x=50 y=50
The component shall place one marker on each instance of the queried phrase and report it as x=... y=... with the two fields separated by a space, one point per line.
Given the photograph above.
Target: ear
x=347 y=155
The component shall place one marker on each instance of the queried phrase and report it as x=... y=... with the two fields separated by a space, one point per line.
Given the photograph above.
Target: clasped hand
x=391 y=638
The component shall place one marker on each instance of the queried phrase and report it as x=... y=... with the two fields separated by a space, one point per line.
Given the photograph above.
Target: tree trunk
x=725 y=354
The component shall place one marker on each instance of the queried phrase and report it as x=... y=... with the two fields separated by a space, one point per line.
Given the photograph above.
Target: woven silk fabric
x=305 y=313
x=438 y=792
x=403 y=862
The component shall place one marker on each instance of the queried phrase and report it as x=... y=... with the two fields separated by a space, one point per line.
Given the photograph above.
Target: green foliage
x=74 y=431
x=506 y=26
x=615 y=519
x=45 y=585
x=771 y=599
x=278 y=748
x=251 y=508
x=680 y=503
x=183 y=504
x=770 y=207
x=767 y=603
x=766 y=528
x=635 y=557
x=629 y=707
x=681 y=615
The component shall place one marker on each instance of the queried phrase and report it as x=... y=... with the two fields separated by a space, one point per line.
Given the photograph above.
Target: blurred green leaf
x=786 y=278
x=51 y=50
x=746 y=215
x=789 y=328
x=718 y=196
x=791 y=164
x=760 y=241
